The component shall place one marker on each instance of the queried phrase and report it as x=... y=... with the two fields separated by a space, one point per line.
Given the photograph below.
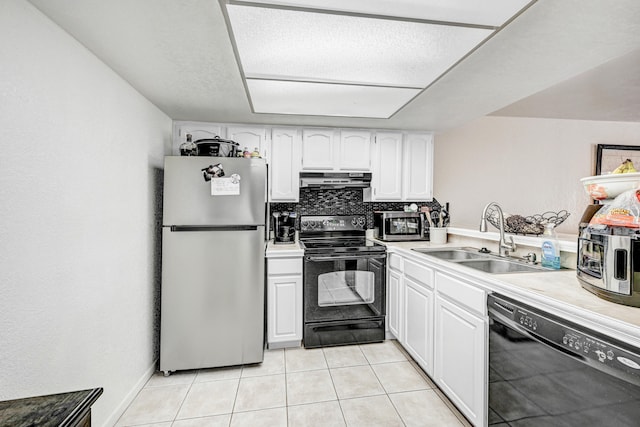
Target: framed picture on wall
x=609 y=157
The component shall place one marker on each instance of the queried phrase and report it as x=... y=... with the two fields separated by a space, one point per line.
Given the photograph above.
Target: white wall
x=528 y=166
x=80 y=173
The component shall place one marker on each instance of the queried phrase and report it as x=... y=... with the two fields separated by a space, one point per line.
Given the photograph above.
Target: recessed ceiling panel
x=322 y=99
x=485 y=12
x=309 y=46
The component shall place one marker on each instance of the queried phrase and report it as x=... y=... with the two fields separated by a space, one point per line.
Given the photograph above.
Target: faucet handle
x=530 y=258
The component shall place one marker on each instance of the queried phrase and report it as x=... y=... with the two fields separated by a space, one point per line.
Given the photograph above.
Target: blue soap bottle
x=550 y=248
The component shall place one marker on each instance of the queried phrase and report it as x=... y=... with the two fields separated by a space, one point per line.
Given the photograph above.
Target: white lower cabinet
x=394 y=303
x=284 y=302
x=460 y=346
x=441 y=321
x=418 y=323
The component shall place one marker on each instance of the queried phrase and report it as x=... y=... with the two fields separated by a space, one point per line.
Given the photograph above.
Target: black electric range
x=344 y=283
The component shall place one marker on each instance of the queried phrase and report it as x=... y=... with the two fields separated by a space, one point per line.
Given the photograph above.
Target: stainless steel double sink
x=473 y=258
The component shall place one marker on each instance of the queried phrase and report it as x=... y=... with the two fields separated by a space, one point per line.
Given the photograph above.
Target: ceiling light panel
x=322 y=99
x=298 y=45
x=485 y=12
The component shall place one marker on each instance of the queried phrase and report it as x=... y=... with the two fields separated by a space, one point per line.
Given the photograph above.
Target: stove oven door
x=344 y=298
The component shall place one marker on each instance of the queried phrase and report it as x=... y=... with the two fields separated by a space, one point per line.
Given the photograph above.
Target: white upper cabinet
x=335 y=150
x=251 y=137
x=403 y=167
x=318 y=149
x=418 y=178
x=386 y=182
x=284 y=170
x=355 y=151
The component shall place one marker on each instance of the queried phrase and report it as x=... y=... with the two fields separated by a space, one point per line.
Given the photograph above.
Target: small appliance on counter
x=393 y=226
x=284 y=227
x=608 y=263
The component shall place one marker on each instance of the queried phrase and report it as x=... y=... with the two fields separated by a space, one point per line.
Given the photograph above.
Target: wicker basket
x=533 y=224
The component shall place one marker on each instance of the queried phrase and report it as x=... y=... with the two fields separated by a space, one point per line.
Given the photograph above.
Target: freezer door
x=213 y=295
x=188 y=200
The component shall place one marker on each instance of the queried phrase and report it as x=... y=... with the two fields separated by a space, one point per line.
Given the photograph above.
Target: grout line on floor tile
x=434 y=387
x=175 y=417
x=235 y=398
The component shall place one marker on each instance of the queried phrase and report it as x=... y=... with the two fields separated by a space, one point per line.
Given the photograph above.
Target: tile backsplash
x=342 y=202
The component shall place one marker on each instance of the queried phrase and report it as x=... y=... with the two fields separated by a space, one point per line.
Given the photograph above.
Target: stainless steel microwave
x=398 y=226
x=608 y=264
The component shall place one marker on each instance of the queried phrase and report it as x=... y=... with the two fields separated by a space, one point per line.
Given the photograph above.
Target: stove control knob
x=601 y=355
x=565 y=340
x=610 y=355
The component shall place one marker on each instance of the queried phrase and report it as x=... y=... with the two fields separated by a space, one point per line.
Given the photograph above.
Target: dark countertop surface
x=64 y=409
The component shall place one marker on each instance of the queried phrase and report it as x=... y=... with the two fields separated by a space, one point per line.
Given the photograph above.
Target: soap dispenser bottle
x=550 y=247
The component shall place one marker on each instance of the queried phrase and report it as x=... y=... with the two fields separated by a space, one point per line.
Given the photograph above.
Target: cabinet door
x=284 y=179
x=418 y=323
x=318 y=149
x=284 y=309
x=418 y=181
x=394 y=305
x=387 y=170
x=251 y=137
x=197 y=130
x=355 y=151
x=460 y=358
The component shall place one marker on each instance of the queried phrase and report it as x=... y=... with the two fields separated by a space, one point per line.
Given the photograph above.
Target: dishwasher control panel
x=600 y=351
x=589 y=346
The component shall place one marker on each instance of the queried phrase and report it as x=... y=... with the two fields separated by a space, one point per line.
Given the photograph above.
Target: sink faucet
x=503 y=246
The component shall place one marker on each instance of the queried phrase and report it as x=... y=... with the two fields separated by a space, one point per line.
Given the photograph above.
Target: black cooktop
x=336 y=233
x=341 y=243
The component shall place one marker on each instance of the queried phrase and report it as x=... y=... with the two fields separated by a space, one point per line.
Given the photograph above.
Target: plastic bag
x=624 y=211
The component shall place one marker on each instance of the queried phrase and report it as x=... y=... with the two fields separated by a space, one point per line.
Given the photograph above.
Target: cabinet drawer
x=395 y=262
x=279 y=266
x=423 y=275
x=462 y=293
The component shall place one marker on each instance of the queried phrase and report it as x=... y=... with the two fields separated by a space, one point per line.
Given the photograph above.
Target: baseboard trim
x=117 y=413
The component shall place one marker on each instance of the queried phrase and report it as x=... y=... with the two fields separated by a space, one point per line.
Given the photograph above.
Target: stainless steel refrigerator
x=213 y=244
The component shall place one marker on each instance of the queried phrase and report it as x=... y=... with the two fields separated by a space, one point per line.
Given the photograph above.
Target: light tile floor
x=359 y=385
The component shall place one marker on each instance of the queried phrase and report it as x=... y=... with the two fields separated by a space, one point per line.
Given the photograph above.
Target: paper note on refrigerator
x=225 y=187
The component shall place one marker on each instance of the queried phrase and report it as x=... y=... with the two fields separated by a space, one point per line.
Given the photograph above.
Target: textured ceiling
x=178 y=54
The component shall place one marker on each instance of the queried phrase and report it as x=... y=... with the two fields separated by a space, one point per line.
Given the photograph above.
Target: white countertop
x=559 y=293
x=284 y=250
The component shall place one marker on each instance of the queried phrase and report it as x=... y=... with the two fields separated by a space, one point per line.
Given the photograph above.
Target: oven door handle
x=344 y=257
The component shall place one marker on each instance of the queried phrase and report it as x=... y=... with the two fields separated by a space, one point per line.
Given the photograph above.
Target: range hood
x=335 y=180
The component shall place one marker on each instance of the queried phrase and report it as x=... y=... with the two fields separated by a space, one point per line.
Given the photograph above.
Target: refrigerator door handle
x=213 y=227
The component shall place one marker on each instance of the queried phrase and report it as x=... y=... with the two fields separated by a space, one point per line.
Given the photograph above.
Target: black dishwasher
x=546 y=371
